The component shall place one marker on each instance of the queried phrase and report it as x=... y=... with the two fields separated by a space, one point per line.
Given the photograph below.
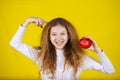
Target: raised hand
x=94 y=47
x=36 y=20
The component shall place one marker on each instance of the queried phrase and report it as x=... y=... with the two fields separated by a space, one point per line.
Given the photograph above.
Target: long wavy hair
x=73 y=54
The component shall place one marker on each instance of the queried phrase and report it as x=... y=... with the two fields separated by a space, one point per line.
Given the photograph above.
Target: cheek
x=52 y=38
x=65 y=38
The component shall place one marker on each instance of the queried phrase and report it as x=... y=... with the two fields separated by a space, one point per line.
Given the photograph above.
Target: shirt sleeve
x=16 y=42
x=104 y=65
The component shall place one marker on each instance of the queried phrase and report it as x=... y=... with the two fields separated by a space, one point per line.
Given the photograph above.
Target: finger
x=37 y=23
x=41 y=21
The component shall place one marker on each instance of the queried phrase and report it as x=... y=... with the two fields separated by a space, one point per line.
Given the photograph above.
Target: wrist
x=26 y=23
x=98 y=50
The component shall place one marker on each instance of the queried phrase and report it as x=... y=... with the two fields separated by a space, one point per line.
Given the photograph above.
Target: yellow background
x=99 y=19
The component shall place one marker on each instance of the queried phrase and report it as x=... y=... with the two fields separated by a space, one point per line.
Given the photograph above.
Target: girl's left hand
x=94 y=47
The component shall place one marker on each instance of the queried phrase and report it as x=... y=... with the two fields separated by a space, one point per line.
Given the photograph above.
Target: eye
x=62 y=33
x=53 y=34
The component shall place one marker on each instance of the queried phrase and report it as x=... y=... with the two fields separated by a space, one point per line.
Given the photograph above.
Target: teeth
x=59 y=43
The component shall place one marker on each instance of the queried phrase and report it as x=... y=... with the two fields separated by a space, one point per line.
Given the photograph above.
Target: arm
x=104 y=65
x=17 y=43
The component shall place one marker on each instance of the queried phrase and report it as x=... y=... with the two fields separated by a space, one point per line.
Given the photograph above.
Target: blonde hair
x=73 y=54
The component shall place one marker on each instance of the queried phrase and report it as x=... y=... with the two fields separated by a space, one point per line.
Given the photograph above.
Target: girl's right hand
x=37 y=21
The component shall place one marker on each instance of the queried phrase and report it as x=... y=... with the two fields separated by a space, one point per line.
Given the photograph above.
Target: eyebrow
x=56 y=32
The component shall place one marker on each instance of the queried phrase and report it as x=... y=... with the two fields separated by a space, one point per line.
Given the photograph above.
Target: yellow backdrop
x=99 y=19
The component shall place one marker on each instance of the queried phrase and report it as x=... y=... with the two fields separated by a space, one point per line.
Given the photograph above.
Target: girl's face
x=58 y=36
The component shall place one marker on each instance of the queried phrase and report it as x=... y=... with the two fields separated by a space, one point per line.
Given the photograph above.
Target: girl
x=59 y=56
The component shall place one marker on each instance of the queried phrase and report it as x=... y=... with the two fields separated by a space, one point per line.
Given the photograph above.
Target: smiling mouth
x=59 y=43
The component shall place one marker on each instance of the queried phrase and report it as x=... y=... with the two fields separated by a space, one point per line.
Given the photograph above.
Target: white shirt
x=89 y=63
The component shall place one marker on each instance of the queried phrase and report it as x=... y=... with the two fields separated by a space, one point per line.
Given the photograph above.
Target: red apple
x=85 y=42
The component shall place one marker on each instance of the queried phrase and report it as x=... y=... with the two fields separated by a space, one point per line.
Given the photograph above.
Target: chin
x=60 y=48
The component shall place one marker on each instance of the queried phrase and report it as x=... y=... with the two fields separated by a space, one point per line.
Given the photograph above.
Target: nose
x=58 y=37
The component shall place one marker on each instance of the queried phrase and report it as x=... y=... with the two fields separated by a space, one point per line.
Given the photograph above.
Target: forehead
x=58 y=28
